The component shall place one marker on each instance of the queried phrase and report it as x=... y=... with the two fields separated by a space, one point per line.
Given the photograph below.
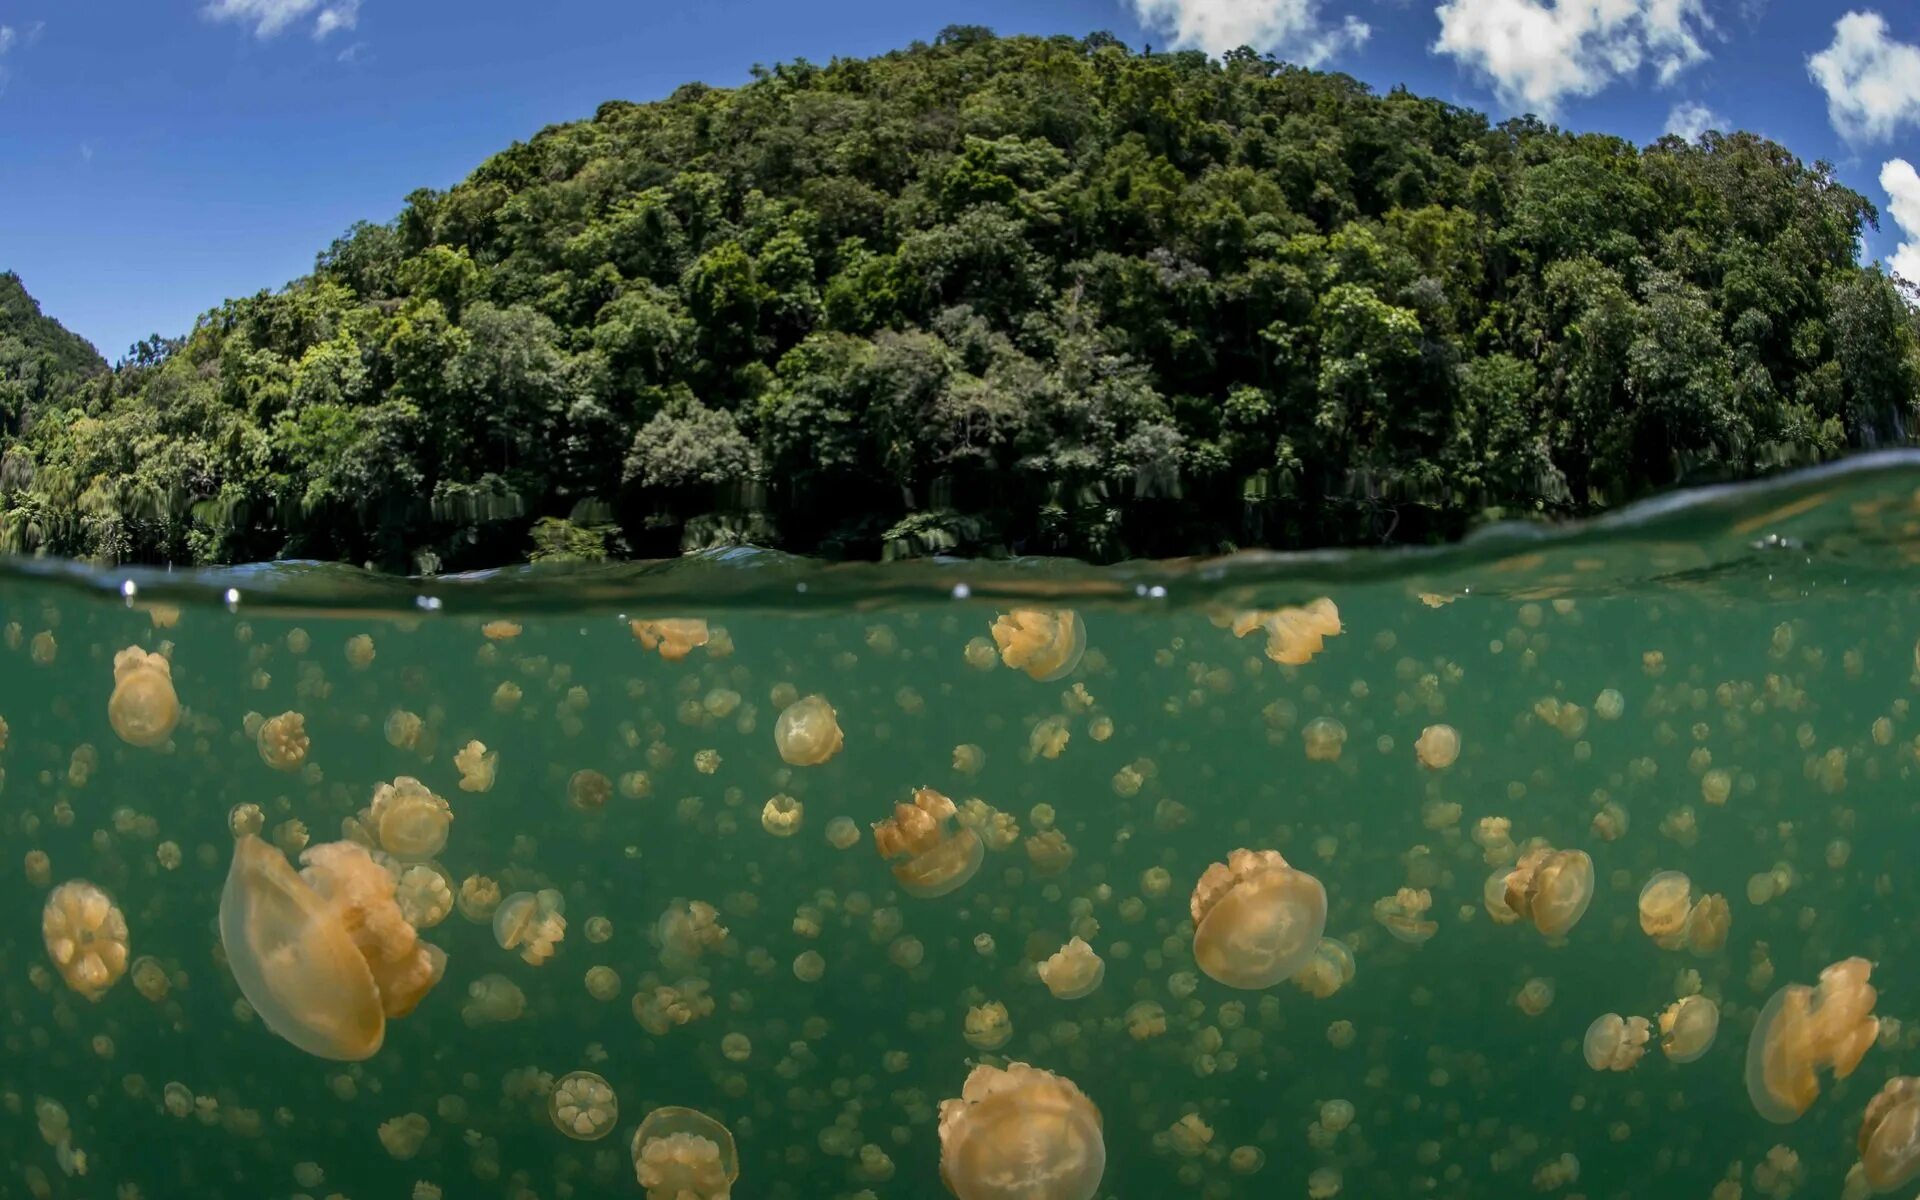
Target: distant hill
x=1042 y=295
x=39 y=359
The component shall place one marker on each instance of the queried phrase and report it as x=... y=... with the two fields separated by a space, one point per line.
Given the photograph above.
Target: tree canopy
x=1031 y=295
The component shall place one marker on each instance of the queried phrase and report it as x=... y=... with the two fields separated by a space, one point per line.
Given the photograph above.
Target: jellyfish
x=1536 y=996
x=424 y=895
x=929 y=855
x=409 y=820
x=1552 y=888
x=478 y=899
x=1438 y=747
x=1073 y=971
x=807 y=733
x=987 y=1026
x=583 y=1106
x=1403 y=914
x=493 y=1000
x=143 y=708
x=1890 y=1135
x=1330 y=969
x=283 y=742
x=780 y=816
x=1687 y=1028
x=1614 y=1043
x=1324 y=738
x=324 y=955
x=661 y=1007
x=1045 y=643
x=533 y=923
x=673 y=637
x=477 y=766
x=86 y=937
x=405 y=1134
x=681 y=1154
x=1294 y=635
x=403 y=729
x=1021 y=1134
x=589 y=790
x=1256 y=920
x=1707 y=925
x=686 y=930
x=1803 y=1029
x=1666 y=903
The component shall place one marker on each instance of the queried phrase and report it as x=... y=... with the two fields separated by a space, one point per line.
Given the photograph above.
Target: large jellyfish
x=1687 y=1028
x=1256 y=920
x=1294 y=635
x=323 y=955
x=1890 y=1135
x=86 y=937
x=807 y=733
x=673 y=637
x=1021 y=1134
x=681 y=1154
x=1045 y=643
x=143 y=708
x=1803 y=1029
x=1552 y=888
x=930 y=856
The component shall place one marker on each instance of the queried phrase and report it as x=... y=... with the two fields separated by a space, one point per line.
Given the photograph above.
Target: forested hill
x=1021 y=294
x=41 y=362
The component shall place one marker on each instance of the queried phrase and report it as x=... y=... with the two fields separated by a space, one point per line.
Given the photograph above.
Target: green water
x=1766 y=634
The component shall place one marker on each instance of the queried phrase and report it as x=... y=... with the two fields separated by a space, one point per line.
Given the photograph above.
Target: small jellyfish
x=478 y=898
x=283 y=742
x=583 y=1106
x=1614 y=1043
x=673 y=637
x=1438 y=747
x=1073 y=971
x=143 y=708
x=405 y=1134
x=1256 y=920
x=1324 y=738
x=588 y=790
x=1707 y=925
x=403 y=729
x=1045 y=643
x=1803 y=1029
x=409 y=820
x=323 y=956
x=86 y=937
x=1890 y=1135
x=681 y=1154
x=1021 y=1134
x=477 y=766
x=424 y=895
x=929 y=855
x=808 y=732
x=1688 y=1027
x=1404 y=915
x=533 y=923
x=360 y=651
x=781 y=816
x=493 y=1000
x=987 y=1026
x=686 y=930
x=1330 y=969
x=1536 y=996
x=1552 y=888
x=1294 y=635
x=1666 y=903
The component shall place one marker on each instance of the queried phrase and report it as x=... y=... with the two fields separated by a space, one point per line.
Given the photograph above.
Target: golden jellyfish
x=1688 y=1027
x=403 y=729
x=1073 y=971
x=1324 y=738
x=322 y=955
x=478 y=898
x=1707 y=925
x=1804 y=1029
x=1021 y=1134
x=1666 y=903
x=501 y=630
x=1535 y=996
x=409 y=820
x=1045 y=643
x=1438 y=747
x=1294 y=635
x=1330 y=969
x=533 y=923
x=1890 y=1135
x=686 y=930
x=583 y=1106
x=493 y=1000
x=424 y=894
x=1552 y=888
x=360 y=651
x=673 y=637
x=143 y=708
x=86 y=937
x=781 y=816
x=681 y=1154
x=987 y=1026
x=929 y=854
x=477 y=766
x=1615 y=1043
x=1404 y=915
x=404 y=1135
x=808 y=733
x=1256 y=920
x=283 y=742
x=588 y=790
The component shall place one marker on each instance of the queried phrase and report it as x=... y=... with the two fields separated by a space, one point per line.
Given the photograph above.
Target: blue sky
x=158 y=156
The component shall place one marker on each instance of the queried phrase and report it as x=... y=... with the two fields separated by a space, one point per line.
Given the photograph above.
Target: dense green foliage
x=1037 y=295
x=40 y=361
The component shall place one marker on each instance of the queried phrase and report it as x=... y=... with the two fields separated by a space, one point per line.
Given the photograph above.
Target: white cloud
x=1902 y=185
x=1872 y=81
x=1540 y=52
x=7 y=37
x=1294 y=29
x=269 y=17
x=1692 y=118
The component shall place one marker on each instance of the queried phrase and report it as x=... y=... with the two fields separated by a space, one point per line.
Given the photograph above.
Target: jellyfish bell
x=322 y=955
x=1688 y=1027
x=283 y=742
x=1803 y=1029
x=1021 y=1134
x=1438 y=747
x=682 y=1154
x=1666 y=903
x=583 y=1106
x=1890 y=1135
x=1404 y=915
x=86 y=937
x=1045 y=643
x=1294 y=634
x=1073 y=971
x=673 y=637
x=808 y=732
x=1256 y=920
x=534 y=923
x=1552 y=888
x=1615 y=1043
x=143 y=708
x=409 y=819
x=929 y=854
x=1330 y=969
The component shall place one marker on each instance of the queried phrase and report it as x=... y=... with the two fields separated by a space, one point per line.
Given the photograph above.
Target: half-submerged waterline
x=1580 y=869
